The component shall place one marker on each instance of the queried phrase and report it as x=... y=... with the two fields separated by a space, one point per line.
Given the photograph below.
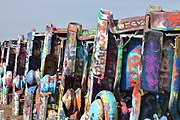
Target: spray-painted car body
x=8 y=72
x=32 y=67
x=160 y=56
x=4 y=47
x=75 y=69
x=121 y=58
x=18 y=76
x=59 y=37
x=130 y=70
x=51 y=68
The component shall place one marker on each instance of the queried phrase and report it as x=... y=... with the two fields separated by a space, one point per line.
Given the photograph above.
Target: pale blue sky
x=19 y=16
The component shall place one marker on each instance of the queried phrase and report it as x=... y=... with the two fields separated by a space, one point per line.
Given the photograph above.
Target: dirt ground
x=6 y=113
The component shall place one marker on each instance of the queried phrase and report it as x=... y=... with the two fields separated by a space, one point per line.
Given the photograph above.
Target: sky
x=20 y=16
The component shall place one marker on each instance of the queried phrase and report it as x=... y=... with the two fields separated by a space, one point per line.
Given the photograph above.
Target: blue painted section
x=177 y=77
x=31 y=90
x=109 y=103
x=47 y=84
x=30 y=78
x=30 y=36
x=20 y=83
x=129 y=69
x=175 y=88
x=96 y=110
x=2 y=71
x=79 y=59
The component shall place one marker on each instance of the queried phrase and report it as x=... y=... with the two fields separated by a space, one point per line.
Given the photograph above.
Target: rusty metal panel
x=151 y=60
x=166 y=64
x=111 y=58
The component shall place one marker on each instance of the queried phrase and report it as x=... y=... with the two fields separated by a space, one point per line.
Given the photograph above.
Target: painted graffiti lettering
x=99 y=59
x=133 y=64
x=130 y=24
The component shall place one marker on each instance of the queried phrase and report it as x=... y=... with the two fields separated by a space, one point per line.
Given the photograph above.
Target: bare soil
x=6 y=113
